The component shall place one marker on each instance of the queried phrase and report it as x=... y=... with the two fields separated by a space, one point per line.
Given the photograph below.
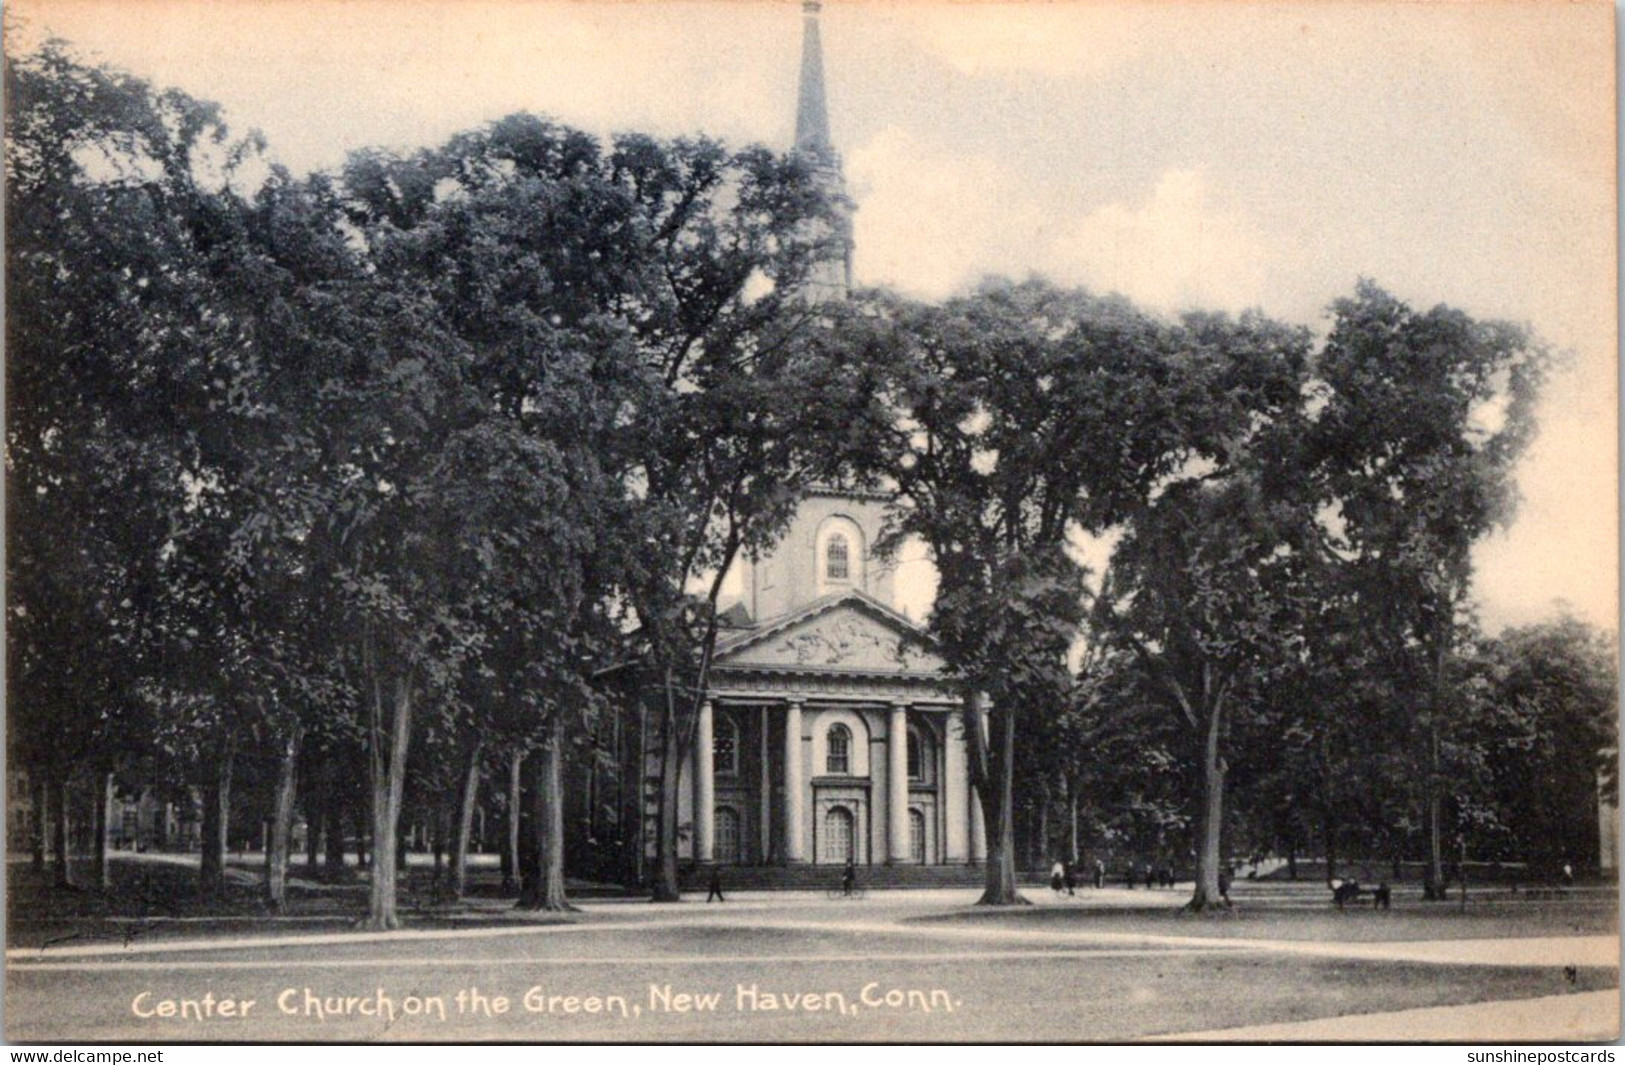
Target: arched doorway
x=838 y=836
x=725 y=843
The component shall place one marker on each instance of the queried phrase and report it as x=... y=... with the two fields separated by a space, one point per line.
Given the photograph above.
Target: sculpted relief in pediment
x=846 y=639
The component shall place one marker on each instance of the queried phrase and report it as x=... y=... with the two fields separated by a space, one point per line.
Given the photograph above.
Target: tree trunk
x=387 y=762
x=635 y=771
x=465 y=822
x=546 y=890
x=36 y=838
x=316 y=807
x=363 y=855
x=437 y=842
x=60 y=826
x=998 y=815
x=216 y=828
x=1328 y=829
x=1041 y=849
x=1072 y=822
x=1207 y=895
x=1434 y=890
x=666 y=886
x=104 y=814
x=276 y=855
x=510 y=850
x=333 y=813
x=313 y=836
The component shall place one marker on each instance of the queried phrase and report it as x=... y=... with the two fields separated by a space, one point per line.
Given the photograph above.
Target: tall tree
x=1424 y=417
x=749 y=405
x=1025 y=415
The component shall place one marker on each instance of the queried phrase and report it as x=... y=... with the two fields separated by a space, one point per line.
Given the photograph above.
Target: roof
x=732 y=643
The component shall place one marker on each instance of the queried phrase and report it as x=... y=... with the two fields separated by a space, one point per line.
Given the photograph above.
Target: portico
x=829 y=735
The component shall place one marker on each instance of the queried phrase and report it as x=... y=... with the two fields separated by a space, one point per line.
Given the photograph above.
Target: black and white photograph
x=811 y=522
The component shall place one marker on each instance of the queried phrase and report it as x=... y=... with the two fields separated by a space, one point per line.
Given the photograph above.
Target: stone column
x=897 y=783
x=794 y=801
x=705 y=787
x=956 y=790
x=765 y=808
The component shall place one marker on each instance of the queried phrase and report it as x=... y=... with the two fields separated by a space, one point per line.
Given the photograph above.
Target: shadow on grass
x=158 y=898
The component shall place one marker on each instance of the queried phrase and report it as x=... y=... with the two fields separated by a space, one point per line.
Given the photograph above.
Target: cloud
x=932 y=221
x=1176 y=249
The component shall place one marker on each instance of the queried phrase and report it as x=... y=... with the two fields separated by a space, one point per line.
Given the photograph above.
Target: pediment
x=849 y=634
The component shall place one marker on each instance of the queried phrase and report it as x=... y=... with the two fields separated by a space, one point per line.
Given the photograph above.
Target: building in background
x=830 y=733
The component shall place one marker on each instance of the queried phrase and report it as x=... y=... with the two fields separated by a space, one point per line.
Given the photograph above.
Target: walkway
x=1587 y=1017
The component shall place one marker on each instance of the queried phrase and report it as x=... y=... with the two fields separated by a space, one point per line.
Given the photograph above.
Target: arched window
x=916 y=765
x=838 y=750
x=916 y=837
x=838 y=835
x=839 y=555
x=725 y=746
x=837 y=559
x=725 y=845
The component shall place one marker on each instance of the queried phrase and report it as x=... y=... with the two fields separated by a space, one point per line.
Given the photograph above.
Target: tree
x=1208 y=588
x=749 y=403
x=1024 y=415
x=1553 y=737
x=1424 y=417
x=119 y=336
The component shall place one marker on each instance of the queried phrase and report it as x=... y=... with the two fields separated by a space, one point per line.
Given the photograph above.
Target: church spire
x=831 y=275
x=812 y=109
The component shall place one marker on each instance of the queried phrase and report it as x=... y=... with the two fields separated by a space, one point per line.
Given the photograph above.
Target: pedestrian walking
x=1150 y=877
x=716 y=885
x=1100 y=874
x=1568 y=875
x=1057 y=877
x=1069 y=878
x=1224 y=884
x=849 y=878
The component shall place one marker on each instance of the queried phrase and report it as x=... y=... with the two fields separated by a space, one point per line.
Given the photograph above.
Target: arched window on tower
x=838 y=751
x=837 y=559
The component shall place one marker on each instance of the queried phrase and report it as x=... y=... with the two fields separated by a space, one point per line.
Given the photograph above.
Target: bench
x=1350 y=891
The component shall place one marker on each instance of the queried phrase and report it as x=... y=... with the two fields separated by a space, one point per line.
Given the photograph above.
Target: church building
x=830 y=732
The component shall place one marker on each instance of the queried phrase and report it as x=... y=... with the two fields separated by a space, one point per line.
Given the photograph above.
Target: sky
x=1185 y=154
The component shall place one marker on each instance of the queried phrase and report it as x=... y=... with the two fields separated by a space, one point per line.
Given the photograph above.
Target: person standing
x=1069 y=878
x=849 y=878
x=1057 y=877
x=716 y=885
x=1100 y=874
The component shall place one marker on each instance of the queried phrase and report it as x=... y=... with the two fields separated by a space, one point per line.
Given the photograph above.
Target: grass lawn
x=1263 y=919
x=1105 y=966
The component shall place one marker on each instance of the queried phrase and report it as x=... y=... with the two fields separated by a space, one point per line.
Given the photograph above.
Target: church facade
x=830 y=733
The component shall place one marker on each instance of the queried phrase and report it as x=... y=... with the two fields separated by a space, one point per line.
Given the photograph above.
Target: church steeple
x=812 y=109
x=831 y=276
